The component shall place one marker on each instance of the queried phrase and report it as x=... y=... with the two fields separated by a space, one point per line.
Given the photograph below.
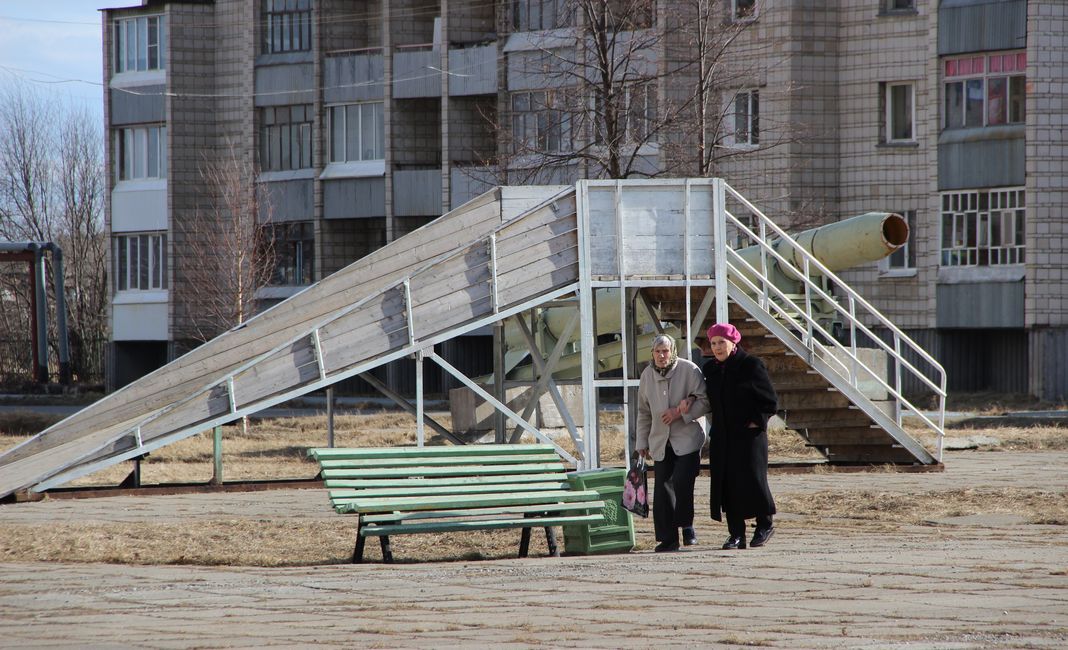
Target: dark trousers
x=673 y=493
x=736 y=524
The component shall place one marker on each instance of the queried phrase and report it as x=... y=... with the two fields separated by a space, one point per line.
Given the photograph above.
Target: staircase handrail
x=808 y=261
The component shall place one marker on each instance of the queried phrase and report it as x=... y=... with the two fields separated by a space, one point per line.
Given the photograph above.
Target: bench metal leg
x=357 y=553
x=550 y=541
x=387 y=554
x=524 y=542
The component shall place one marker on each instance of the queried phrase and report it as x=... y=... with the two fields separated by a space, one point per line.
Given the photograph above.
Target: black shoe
x=761 y=536
x=666 y=547
x=689 y=536
x=733 y=542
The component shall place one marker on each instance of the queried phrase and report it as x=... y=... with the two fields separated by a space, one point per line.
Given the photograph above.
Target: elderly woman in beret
x=671 y=398
x=741 y=399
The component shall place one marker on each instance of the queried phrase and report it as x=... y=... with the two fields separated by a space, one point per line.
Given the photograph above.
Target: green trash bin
x=616 y=534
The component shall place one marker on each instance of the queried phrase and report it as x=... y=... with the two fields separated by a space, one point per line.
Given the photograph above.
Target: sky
x=55 y=47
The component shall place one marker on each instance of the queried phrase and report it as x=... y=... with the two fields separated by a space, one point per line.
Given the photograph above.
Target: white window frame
x=888 y=123
x=984 y=78
x=287 y=26
x=283 y=243
x=971 y=220
x=532 y=128
x=141 y=153
x=889 y=6
x=340 y=128
x=739 y=7
x=637 y=114
x=888 y=265
x=140 y=261
x=752 y=126
x=278 y=139
x=134 y=47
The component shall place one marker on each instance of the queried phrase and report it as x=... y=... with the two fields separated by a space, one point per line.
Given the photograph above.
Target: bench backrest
x=439 y=474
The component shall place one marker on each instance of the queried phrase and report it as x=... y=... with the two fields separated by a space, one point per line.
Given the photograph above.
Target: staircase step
x=868 y=454
x=848 y=436
x=810 y=399
x=804 y=418
x=795 y=381
x=784 y=363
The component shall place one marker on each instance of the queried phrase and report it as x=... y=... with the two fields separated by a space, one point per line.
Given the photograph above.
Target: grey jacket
x=656 y=394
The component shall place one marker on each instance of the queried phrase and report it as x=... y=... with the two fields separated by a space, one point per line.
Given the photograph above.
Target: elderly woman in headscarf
x=741 y=400
x=671 y=399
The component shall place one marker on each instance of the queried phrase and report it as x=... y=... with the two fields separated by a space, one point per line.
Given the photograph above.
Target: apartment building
x=363 y=120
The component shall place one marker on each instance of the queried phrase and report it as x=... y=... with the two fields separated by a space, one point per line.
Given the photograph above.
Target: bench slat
x=474 y=500
x=441 y=461
x=444 y=482
x=463 y=470
x=447 y=526
x=324 y=453
x=338 y=496
x=477 y=512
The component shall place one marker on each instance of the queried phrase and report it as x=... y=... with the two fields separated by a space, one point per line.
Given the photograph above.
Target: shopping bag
x=635 y=489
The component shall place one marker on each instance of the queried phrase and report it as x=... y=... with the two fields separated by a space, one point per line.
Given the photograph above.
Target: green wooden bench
x=408 y=490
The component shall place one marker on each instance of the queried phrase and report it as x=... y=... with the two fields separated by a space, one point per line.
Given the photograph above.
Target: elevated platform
x=503 y=254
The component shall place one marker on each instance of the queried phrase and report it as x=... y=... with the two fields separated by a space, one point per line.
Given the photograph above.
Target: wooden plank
x=533 y=253
x=440 y=461
x=441 y=481
x=454 y=526
x=282 y=371
x=532 y=274
x=527 y=468
x=321 y=453
x=473 y=501
x=344 y=494
x=483 y=512
x=217 y=357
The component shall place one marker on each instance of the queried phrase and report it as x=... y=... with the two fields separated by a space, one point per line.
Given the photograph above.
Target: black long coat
x=739 y=393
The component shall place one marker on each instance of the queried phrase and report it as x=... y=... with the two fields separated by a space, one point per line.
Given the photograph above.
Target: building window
x=356 y=132
x=140 y=43
x=743 y=10
x=287 y=26
x=904 y=258
x=538 y=15
x=285 y=137
x=985 y=90
x=140 y=262
x=636 y=115
x=983 y=227
x=743 y=119
x=294 y=253
x=899 y=5
x=141 y=152
x=540 y=123
x=899 y=106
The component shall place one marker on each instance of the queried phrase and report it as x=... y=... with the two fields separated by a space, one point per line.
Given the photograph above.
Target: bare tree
x=631 y=88
x=228 y=251
x=51 y=190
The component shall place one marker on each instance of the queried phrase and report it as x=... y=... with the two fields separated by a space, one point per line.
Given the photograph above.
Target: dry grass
x=1036 y=507
x=276 y=448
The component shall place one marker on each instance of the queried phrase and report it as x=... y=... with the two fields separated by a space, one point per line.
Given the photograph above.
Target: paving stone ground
x=979 y=581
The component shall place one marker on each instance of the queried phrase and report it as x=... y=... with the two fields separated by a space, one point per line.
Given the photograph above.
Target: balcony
x=416 y=72
x=473 y=70
x=417 y=192
x=353 y=76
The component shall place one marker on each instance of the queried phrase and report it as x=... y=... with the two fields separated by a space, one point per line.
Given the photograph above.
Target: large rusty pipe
x=838 y=246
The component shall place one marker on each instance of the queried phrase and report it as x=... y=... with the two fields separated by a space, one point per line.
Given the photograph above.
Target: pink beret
x=726 y=330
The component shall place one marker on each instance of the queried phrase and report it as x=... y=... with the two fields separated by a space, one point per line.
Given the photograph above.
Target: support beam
x=407 y=406
x=216 y=454
x=464 y=379
x=545 y=375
